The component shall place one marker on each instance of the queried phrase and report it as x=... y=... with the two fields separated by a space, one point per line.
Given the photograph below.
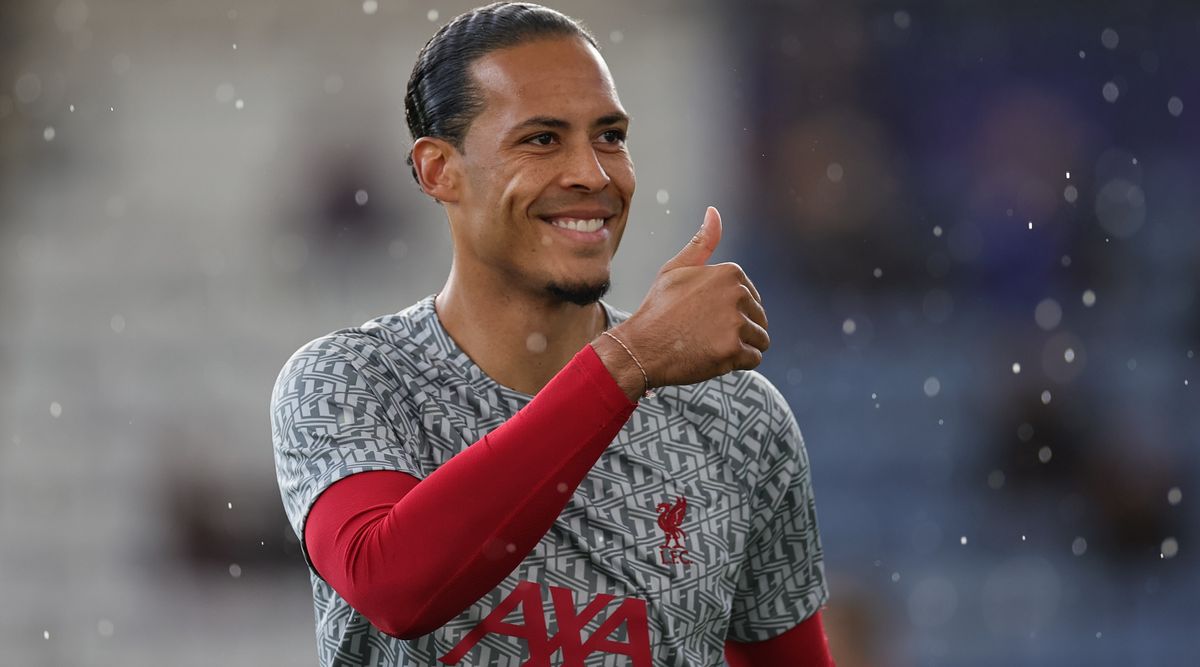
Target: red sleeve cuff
x=805 y=644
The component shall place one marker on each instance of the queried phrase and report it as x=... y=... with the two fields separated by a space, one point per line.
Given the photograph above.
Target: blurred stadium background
x=974 y=224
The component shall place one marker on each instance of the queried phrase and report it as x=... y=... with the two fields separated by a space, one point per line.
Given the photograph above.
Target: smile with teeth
x=592 y=225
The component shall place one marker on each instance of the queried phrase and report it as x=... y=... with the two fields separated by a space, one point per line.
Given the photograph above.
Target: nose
x=583 y=171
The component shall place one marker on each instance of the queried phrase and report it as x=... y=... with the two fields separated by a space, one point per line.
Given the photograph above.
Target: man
x=485 y=477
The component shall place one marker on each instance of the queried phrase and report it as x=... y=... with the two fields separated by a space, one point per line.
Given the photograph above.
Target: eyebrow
x=560 y=124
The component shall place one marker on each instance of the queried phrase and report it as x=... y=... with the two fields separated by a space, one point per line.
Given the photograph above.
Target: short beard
x=578 y=294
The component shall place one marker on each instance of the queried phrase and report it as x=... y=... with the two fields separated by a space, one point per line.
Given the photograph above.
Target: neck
x=519 y=339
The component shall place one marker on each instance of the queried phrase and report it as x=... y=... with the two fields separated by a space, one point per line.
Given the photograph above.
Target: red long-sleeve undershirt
x=411 y=554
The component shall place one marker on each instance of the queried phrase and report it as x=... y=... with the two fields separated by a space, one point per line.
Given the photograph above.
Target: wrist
x=622 y=365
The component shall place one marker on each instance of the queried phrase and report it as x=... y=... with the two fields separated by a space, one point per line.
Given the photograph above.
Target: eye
x=543 y=139
x=614 y=136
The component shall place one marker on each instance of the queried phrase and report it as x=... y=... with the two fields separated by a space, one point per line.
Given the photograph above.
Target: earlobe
x=436 y=168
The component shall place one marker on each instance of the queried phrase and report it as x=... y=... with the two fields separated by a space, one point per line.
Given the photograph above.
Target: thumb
x=701 y=246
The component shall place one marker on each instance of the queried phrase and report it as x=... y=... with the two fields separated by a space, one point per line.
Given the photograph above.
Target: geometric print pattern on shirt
x=397 y=393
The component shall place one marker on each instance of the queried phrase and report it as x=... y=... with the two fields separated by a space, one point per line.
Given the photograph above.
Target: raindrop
x=1174 y=496
x=224 y=92
x=1047 y=314
x=1016 y=368
x=1175 y=106
x=1110 y=92
x=28 y=88
x=849 y=327
x=239 y=104
x=48 y=133
x=1070 y=194
x=1069 y=355
x=937 y=230
x=104 y=627
x=360 y=197
x=432 y=15
x=1170 y=547
x=1079 y=546
x=235 y=570
x=834 y=172
x=1109 y=38
x=902 y=19
x=996 y=480
x=55 y=409
x=117 y=323
x=616 y=37
x=932 y=387
x=1089 y=298
x=878 y=272
x=1044 y=454
x=369 y=7
x=662 y=196
x=962 y=540
x=932 y=602
x=535 y=342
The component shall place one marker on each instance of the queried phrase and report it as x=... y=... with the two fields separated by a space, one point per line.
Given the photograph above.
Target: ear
x=437 y=168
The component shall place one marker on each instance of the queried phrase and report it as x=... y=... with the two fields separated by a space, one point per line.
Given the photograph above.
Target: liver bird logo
x=669 y=519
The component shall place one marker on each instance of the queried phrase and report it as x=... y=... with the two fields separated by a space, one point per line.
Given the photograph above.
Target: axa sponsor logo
x=570 y=622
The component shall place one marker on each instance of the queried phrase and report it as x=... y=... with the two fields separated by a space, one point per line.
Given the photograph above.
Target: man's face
x=548 y=178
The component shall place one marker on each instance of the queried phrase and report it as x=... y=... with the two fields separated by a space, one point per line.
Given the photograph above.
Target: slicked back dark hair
x=442 y=99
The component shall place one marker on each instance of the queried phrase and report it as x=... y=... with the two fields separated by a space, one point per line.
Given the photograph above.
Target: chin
x=578 y=293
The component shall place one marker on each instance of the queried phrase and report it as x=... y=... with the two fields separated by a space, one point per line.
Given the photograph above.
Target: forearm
x=412 y=565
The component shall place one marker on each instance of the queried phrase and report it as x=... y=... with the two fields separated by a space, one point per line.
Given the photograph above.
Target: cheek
x=524 y=182
x=620 y=170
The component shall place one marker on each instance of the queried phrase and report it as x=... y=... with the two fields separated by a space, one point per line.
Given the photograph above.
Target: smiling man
x=486 y=477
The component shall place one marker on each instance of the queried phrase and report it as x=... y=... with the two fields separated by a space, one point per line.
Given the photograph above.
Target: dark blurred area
x=975 y=226
x=981 y=227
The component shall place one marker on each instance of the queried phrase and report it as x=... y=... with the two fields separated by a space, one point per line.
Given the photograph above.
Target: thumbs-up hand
x=697 y=321
x=702 y=245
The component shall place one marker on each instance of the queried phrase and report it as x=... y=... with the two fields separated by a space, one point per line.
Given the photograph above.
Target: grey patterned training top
x=618 y=580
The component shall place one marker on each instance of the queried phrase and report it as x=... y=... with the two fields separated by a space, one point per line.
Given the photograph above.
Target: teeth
x=580 y=225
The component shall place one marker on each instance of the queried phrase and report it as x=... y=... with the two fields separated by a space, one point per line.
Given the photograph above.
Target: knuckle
x=732 y=269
